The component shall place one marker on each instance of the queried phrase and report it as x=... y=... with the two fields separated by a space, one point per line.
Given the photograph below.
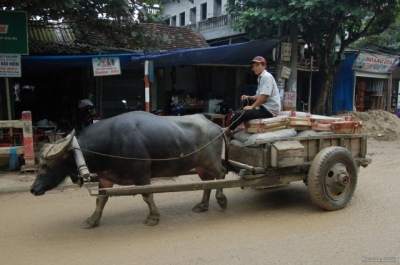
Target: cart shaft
x=199 y=185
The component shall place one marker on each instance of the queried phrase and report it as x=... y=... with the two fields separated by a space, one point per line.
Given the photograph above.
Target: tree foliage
x=387 y=42
x=328 y=26
x=110 y=17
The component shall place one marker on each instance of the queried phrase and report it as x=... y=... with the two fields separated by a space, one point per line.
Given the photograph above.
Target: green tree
x=117 y=19
x=327 y=26
x=387 y=42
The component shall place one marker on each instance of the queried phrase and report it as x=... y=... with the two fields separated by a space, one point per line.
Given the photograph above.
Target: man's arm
x=260 y=99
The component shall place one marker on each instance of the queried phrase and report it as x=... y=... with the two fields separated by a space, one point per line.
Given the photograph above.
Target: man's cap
x=258 y=59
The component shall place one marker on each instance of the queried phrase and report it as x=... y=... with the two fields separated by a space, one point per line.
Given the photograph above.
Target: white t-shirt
x=267 y=86
x=86 y=102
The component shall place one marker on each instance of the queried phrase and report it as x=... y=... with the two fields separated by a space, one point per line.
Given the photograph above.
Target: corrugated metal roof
x=59 y=39
x=50 y=32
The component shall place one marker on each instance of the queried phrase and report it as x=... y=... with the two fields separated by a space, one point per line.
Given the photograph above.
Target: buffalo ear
x=57 y=149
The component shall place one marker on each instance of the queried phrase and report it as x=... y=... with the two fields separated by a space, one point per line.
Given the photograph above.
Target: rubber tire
x=320 y=166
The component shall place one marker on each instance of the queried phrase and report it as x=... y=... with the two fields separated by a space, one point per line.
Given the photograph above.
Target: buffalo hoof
x=91 y=222
x=222 y=202
x=199 y=208
x=151 y=220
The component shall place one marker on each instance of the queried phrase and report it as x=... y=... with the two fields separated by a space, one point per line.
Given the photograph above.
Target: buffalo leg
x=221 y=199
x=101 y=201
x=203 y=205
x=220 y=196
x=219 y=172
x=154 y=215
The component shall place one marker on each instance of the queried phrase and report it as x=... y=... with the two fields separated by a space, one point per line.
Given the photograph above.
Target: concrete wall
x=175 y=8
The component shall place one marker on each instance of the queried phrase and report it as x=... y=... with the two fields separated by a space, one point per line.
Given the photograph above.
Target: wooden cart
x=328 y=165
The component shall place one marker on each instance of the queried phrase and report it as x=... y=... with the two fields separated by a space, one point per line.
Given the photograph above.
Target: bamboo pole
x=10 y=130
x=309 y=90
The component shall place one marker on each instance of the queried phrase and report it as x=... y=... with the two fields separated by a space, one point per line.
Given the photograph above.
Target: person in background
x=266 y=103
x=86 y=108
x=84 y=103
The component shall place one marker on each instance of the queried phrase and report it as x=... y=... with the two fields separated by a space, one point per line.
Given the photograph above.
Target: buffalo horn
x=55 y=150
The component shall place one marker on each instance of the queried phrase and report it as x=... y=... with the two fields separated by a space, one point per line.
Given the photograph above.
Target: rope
x=181 y=156
x=241 y=107
x=44 y=158
x=162 y=159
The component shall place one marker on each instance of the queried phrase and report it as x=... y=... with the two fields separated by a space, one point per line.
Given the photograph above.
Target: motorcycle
x=138 y=107
x=223 y=108
x=92 y=116
x=178 y=110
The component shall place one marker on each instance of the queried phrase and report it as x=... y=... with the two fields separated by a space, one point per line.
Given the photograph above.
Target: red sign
x=289 y=101
x=376 y=63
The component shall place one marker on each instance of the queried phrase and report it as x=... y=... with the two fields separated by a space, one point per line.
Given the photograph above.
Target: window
x=173 y=21
x=217 y=8
x=167 y=21
x=193 y=15
x=203 y=11
x=182 y=19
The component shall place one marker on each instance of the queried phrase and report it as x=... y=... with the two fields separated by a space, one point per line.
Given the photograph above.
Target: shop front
x=374 y=87
x=395 y=102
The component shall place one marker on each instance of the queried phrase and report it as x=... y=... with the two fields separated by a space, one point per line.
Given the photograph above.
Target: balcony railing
x=215 y=22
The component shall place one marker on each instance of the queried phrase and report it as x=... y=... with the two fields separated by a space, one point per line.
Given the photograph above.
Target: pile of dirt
x=378 y=124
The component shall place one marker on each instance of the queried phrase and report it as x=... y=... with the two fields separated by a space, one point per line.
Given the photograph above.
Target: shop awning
x=69 y=60
x=233 y=54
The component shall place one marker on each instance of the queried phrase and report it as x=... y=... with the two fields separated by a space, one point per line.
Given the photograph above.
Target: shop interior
x=51 y=97
x=371 y=94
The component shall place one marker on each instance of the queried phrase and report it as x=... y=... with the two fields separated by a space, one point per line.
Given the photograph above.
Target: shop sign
x=376 y=63
x=289 y=101
x=286 y=72
x=398 y=103
x=13 y=32
x=106 y=66
x=10 y=65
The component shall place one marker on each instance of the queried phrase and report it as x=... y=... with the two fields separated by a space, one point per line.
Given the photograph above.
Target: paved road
x=276 y=226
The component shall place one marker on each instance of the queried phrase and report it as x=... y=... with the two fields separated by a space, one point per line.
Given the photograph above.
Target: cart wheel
x=332 y=178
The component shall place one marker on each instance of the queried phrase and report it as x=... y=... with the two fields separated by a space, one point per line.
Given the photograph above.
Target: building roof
x=185 y=38
x=60 y=39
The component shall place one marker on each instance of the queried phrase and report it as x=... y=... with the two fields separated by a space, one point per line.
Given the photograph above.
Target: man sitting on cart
x=266 y=103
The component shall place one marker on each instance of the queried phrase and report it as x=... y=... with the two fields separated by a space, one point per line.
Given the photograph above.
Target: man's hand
x=246 y=108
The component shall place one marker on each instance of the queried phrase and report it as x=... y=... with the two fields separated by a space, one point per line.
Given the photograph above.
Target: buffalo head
x=56 y=162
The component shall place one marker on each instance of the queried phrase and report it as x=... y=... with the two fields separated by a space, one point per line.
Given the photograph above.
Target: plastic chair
x=39 y=135
x=18 y=136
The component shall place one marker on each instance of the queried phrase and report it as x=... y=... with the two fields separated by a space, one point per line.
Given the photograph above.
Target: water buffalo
x=128 y=150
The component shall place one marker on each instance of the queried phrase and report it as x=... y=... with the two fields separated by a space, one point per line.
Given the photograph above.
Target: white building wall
x=174 y=9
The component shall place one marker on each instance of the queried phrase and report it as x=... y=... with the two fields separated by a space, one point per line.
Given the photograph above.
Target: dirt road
x=275 y=226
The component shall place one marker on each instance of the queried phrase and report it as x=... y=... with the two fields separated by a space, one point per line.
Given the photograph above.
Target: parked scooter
x=138 y=106
x=223 y=108
x=158 y=112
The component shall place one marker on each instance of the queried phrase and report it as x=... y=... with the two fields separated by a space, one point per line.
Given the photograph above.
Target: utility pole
x=287 y=68
x=292 y=81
